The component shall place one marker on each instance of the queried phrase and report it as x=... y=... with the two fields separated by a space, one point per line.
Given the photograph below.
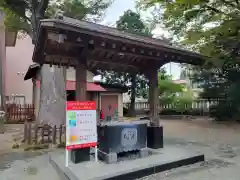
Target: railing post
x=29 y=136
x=36 y=134
x=42 y=140
x=60 y=134
x=54 y=132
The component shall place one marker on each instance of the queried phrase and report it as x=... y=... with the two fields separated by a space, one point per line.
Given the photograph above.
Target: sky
x=117 y=9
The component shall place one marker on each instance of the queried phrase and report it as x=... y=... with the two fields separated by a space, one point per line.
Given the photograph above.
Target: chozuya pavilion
x=88 y=46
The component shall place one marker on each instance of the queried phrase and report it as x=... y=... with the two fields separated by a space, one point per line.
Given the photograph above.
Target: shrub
x=224 y=112
x=193 y=112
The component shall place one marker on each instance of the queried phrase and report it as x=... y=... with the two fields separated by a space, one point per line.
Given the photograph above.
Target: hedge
x=193 y=112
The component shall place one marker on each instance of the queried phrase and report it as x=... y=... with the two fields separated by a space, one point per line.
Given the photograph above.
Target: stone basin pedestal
x=155 y=137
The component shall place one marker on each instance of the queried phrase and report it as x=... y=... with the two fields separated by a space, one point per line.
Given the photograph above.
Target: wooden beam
x=61 y=51
x=73 y=38
x=121 y=60
x=119 y=47
x=126 y=53
x=112 y=67
x=115 y=64
x=145 y=53
x=59 y=60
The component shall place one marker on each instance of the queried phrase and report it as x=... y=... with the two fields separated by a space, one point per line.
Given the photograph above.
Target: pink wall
x=18 y=59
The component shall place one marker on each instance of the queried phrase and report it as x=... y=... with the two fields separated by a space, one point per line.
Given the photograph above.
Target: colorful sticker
x=71 y=115
x=72 y=123
x=73 y=138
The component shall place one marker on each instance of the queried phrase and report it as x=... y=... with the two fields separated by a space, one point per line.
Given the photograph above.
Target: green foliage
x=221 y=112
x=130 y=22
x=184 y=102
x=174 y=111
x=211 y=28
x=91 y=10
x=167 y=88
x=124 y=79
x=24 y=15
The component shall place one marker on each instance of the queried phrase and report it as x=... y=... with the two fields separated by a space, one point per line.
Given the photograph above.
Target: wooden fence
x=17 y=113
x=35 y=134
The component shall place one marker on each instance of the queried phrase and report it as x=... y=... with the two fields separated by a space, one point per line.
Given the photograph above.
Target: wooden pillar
x=98 y=105
x=34 y=91
x=79 y=155
x=34 y=98
x=154 y=97
x=81 y=82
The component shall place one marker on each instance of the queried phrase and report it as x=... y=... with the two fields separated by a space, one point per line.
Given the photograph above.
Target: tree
x=131 y=22
x=24 y=16
x=184 y=102
x=167 y=88
x=210 y=28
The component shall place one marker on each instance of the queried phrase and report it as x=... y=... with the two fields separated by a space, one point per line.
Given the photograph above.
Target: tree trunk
x=52 y=95
x=52 y=108
x=132 y=112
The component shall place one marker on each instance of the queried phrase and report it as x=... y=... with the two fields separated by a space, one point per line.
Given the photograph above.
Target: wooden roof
x=104 y=48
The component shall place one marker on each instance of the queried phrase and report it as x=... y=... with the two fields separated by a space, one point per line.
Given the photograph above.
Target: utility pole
x=2 y=60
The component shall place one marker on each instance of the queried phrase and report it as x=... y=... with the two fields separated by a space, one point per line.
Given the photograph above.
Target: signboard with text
x=81 y=124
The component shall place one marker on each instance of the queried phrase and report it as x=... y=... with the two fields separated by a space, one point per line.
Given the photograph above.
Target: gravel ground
x=22 y=165
x=36 y=168
x=219 y=142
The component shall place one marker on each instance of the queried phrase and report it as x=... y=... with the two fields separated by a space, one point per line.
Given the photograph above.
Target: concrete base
x=112 y=158
x=144 y=152
x=164 y=159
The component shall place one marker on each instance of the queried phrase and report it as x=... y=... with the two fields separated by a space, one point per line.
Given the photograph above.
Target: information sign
x=81 y=124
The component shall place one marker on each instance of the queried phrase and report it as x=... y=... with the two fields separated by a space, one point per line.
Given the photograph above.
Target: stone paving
x=219 y=142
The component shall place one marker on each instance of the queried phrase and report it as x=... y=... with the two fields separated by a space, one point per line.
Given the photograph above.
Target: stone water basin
x=122 y=136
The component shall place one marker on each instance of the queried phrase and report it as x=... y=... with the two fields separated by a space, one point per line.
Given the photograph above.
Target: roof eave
x=122 y=36
x=32 y=71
